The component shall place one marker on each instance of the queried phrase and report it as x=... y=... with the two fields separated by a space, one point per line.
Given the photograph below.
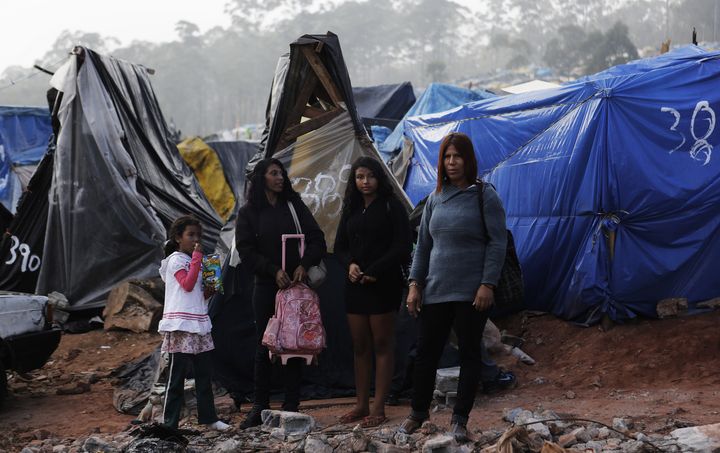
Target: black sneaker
x=253 y=418
x=503 y=381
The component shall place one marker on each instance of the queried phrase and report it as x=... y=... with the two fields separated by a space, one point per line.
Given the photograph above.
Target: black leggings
x=435 y=323
x=264 y=309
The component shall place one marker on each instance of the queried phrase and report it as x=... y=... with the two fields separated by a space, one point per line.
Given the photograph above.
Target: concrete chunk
x=283 y=424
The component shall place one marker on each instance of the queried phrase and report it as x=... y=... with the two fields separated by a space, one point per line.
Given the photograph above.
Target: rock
x=42 y=434
x=613 y=443
x=712 y=303
x=97 y=445
x=401 y=438
x=582 y=435
x=155 y=286
x=428 y=428
x=603 y=433
x=511 y=414
x=622 y=424
x=132 y=308
x=698 y=438
x=286 y=423
x=594 y=445
x=634 y=446
x=567 y=440
x=73 y=389
x=151 y=445
x=593 y=432
x=227 y=446
x=527 y=418
x=440 y=444
x=60 y=449
x=446 y=379
x=570 y=395
x=316 y=445
x=380 y=447
x=671 y=307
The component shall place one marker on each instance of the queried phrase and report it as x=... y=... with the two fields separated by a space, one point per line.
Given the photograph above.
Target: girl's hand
x=354 y=273
x=300 y=275
x=367 y=279
x=414 y=301
x=484 y=298
x=281 y=279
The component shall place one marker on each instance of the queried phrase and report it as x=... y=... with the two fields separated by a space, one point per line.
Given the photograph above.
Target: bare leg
x=383 y=336
x=362 y=351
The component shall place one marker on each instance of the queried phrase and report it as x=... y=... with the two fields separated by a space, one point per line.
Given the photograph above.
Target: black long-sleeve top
x=258 y=239
x=376 y=238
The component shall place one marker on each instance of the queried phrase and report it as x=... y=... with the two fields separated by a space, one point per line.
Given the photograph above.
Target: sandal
x=351 y=417
x=372 y=421
x=410 y=425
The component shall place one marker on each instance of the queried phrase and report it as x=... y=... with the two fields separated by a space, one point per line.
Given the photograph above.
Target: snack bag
x=212 y=272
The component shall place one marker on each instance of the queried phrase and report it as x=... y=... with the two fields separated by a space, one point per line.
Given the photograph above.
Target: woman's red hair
x=464 y=146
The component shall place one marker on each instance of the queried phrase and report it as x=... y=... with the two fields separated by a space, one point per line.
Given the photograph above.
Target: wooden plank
x=301 y=101
x=303 y=128
x=319 y=68
x=312 y=112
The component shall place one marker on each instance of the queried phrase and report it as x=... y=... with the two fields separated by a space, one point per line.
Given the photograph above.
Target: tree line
x=220 y=79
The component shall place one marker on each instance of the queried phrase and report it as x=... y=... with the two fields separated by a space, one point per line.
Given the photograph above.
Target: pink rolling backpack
x=296 y=329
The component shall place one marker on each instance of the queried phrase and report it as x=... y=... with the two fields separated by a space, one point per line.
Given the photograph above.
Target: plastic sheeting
x=208 y=170
x=24 y=134
x=389 y=102
x=21 y=313
x=436 y=98
x=610 y=185
x=234 y=157
x=21 y=251
x=118 y=182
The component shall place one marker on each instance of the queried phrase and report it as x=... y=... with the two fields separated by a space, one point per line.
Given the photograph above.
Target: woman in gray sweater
x=454 y=272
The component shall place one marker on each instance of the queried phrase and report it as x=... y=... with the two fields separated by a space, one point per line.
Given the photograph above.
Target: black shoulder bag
x=510 y=291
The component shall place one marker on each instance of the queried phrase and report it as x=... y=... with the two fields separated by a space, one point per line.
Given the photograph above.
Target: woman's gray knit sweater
x=453 y=257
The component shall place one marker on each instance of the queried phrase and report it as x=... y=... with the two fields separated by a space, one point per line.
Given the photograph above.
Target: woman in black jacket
x=373 y=242
x=260 y=224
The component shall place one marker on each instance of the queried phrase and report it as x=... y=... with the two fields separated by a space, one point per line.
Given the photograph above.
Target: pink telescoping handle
x=285 y=237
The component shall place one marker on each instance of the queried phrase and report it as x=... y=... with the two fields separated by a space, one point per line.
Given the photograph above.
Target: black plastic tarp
x=21 y=248
x=384 y=102
x=295 y=76
x=118 y=182
x=234 y=157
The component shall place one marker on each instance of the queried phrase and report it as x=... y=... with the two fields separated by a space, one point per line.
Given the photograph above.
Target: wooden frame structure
x=318 y=100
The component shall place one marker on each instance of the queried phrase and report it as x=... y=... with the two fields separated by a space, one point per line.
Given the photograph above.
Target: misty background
x=220 y=79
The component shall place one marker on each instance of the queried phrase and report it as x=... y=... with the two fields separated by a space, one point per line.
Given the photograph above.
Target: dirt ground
x=662 y=373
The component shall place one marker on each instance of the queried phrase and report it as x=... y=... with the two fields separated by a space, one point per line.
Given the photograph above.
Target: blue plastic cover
x=24 y=134
x=610 y=184
x=436 y=98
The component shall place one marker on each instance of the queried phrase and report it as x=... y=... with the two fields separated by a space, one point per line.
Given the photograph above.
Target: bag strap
x=297 y=224
x=481 y=200
x=295 y=217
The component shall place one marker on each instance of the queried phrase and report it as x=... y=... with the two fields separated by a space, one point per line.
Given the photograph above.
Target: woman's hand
x=281 y=279
x=414 y=301
x=367 y=279
x=484 y=298
x=354 y=273
x=300 y=275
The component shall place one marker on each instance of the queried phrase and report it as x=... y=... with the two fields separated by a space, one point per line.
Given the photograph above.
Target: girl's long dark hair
x=176 y=229
x=353 y=198
x=256 y=197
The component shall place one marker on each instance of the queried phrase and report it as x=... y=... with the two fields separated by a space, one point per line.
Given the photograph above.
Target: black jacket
x=378 y=239
x=258 y=239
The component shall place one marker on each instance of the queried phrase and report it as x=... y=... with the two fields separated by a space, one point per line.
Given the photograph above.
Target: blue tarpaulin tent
x=24 y=134
x=611 y=184
x=437 y=97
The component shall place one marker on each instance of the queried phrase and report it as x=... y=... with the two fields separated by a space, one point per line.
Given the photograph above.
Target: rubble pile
x=540 y=431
